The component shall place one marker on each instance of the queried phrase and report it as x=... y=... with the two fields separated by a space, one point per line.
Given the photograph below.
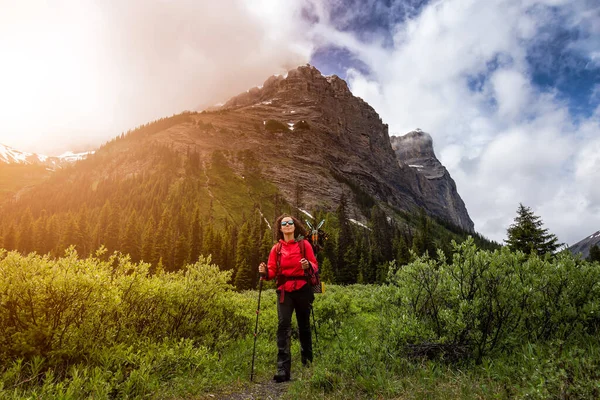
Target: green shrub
x=486 y=301
x=65 y=309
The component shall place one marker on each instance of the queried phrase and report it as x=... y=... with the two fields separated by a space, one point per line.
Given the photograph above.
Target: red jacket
x=291 y=254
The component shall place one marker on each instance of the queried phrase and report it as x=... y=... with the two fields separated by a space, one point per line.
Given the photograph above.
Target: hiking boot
x=281 y=376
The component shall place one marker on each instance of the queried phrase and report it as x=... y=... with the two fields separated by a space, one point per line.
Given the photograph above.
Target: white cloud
x=86 y=70
x=512 y=92
x=459 y=70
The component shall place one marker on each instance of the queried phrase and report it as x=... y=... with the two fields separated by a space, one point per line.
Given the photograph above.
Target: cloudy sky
x=509 y=90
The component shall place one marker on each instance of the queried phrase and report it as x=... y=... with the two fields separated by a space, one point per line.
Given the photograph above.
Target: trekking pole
x=256 y=328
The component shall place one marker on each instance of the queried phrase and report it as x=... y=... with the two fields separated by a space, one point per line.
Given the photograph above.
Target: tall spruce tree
x=244 y=270
x=196 y=238
x=9 y=241
x=130 y=243
x=25 y=234
x=347 y=262
x=526 y=234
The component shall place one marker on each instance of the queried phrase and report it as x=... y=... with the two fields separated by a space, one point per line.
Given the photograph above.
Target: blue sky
x=508 y=89
x=555 y=62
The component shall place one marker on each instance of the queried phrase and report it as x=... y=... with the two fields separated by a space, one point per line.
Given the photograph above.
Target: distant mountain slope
x=583 y=246
x=21 y=170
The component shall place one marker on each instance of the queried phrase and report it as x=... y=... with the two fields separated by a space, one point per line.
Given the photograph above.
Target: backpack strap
x=278 y=258
x=301 y=243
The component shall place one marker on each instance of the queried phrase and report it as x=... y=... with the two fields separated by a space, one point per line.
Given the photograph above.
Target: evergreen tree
x=39 y=235
x=196 y=238
x=208 y=241
x=527 y=235
x=402 y=252
x=101 y=227
x=181 y=253
x=326 y=271
x=148 y=240
x=9 y=240
x=113 y=230
x=82 y=238
x=381 y=250
x=25 y=238
x=347 y=255
x=594 y=253
x=423 y=239
x=68 y=234
x=163 y=244
x=244 y=270
x=266 y=245
x=228 y=248
x=130 y=243
x=52 y=235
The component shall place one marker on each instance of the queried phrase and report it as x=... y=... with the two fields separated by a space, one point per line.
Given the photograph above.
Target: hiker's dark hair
x=299 y=229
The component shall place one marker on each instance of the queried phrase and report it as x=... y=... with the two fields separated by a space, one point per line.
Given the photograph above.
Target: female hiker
x=292 y=262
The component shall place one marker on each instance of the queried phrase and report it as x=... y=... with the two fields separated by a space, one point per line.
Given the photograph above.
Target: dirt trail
x=267 y=390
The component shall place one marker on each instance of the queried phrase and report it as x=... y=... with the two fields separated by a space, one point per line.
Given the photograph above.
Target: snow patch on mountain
x=8 y=155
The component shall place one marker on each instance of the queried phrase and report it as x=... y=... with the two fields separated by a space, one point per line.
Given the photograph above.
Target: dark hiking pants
x=301 y=301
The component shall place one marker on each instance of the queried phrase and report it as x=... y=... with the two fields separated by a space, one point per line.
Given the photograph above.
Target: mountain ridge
x=584 y=245
x=334 y=143
x=10 y=155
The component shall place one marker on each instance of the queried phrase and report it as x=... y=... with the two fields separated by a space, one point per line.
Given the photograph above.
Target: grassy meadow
x=481 y=325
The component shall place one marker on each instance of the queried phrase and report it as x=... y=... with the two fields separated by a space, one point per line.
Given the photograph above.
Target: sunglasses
x=284 y=223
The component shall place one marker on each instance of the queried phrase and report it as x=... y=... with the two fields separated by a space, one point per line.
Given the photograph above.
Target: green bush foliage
x=492 y=301
x=64 y=310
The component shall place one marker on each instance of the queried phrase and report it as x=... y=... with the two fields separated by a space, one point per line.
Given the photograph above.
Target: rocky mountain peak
x=414 y=154
x=343 y=139
x=298 y=85
x=413 y=145
x=415 y=150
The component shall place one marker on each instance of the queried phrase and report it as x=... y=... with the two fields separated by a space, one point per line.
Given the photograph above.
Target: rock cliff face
x=343 y=140
x=432 y=181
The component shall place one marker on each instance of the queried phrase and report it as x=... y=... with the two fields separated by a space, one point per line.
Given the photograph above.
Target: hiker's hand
x=262 y=269
x=304 y=263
